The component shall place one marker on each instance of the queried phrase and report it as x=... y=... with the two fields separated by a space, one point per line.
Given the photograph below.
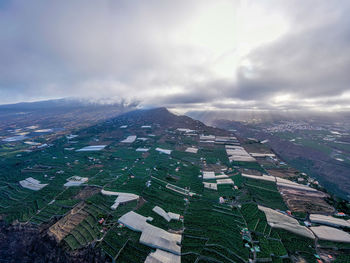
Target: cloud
x=311 y=61
x=180 y=54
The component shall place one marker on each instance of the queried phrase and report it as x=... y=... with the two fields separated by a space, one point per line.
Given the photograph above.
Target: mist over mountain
x=258 y=116
x=66 y=113
x=65 y=103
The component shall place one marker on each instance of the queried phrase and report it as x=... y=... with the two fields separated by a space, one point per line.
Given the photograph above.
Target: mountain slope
x=163 y=117
x=64 y=113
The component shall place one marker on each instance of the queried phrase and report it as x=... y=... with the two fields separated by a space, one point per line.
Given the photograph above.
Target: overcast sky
x=199 y=54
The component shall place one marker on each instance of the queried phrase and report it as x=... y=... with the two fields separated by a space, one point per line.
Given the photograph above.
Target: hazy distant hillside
x=210 y=117
x=316 y=147
x=64 y=104
x=61 y=113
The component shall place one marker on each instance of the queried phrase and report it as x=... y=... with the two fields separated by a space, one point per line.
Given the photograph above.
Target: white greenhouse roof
x=129 y=139
x=207 y=137
x=135 y=221
x=331 y=234
x=121 y=199
x=258 y=177
x=152 y=236
x=160 y=256
x=166 y=151
x=158 y=238
x=185 y=130
x=76 y=181
x=224 y=181
x=282 y=221
x=329 y=220
x=32 y=184
x=212 y=186
x=142 y=149
x=191 y=150
x=208 y=175
x=92 y=148
x=167 y=216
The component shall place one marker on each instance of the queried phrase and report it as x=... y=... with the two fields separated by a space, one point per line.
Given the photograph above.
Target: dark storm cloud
x=145 y=51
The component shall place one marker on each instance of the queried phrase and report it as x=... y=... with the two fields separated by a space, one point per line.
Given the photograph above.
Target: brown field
x=283 y=173
x=214 y=167
x=145 y=155
x=323 y=253
x=267 y=162
x=87 y=192
x=256 y=148
x=250 y=171
x=140 y=203
x=66 y=224
x=305 y=201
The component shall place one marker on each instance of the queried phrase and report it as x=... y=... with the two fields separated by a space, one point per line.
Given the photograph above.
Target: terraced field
x=216 y=225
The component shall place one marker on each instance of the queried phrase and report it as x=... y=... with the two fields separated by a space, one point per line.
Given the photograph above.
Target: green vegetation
x=214 y=228
x=298 y=245
x=223 y=225
x=265 y=193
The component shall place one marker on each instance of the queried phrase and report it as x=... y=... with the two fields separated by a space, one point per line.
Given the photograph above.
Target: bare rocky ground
x=28 y=243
